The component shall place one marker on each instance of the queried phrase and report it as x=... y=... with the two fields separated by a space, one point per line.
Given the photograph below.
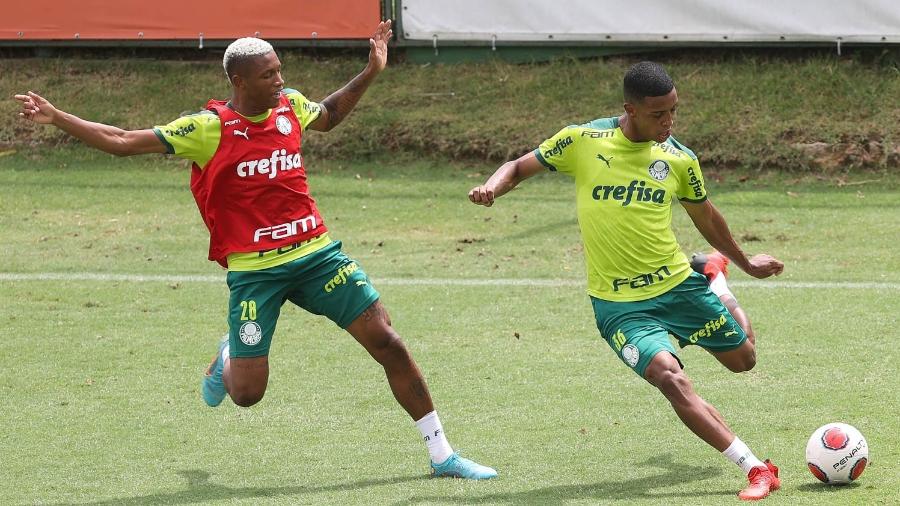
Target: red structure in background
x=177 y=20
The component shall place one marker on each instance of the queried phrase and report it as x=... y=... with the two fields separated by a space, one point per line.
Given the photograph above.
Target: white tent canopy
x=616 y=21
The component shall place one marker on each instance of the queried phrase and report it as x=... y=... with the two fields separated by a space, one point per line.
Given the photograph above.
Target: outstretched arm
x=338 y=105
x=711 y=224
x=507 y=177
x=107 y=138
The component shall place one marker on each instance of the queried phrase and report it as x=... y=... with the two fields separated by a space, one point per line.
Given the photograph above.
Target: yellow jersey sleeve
x=194 y=137
x=558 y=153
x=306 y=110
x=691 y=187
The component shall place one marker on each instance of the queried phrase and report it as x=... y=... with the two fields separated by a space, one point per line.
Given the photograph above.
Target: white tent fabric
x=658 y=21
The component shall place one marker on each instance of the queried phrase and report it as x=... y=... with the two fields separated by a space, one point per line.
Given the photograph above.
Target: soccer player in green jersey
x=628 y=172
x=247 y=167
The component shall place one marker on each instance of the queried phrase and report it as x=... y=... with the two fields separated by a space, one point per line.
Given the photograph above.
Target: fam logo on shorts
x=630 y=354
x=250 y=333
x=658 y=170
x=283 y=125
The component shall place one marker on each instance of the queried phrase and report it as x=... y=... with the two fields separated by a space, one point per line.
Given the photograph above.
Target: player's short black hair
x=646 y=79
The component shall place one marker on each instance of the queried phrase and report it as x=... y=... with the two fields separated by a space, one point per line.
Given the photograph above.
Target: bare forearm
x=340 y=103
x=97 y=135
x=37 y=109
x=716 y=232
x=711 y=224
x=504 y=179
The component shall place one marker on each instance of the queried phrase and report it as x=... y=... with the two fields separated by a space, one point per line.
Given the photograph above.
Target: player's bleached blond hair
x=242 y=49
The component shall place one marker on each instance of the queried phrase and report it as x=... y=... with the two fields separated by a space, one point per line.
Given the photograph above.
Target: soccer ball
x=837 y=453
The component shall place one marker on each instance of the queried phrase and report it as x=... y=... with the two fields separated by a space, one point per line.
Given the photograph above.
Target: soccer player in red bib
x=249 y=181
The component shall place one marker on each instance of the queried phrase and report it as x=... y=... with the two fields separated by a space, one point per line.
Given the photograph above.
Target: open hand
x=36 y=108
x=378 y=49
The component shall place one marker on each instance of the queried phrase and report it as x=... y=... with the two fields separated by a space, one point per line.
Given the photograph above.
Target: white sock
x=225 y=354
x=742 y=456
x=433 y=434
x=719 y=286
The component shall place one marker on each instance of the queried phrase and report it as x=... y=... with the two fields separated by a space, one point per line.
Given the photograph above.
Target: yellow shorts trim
x=258 y=260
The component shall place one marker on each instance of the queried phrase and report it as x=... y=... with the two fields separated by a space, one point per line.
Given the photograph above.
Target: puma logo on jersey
x=604 y=159
x=242 y=134
x=731 y=332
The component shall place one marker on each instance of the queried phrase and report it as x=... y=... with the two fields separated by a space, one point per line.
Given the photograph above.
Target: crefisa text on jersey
x=625 y=194
x=280 y=160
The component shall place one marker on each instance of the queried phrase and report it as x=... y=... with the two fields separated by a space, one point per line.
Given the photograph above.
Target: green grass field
x=101 y=376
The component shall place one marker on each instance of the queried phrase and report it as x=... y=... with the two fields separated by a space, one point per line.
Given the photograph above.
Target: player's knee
x=746 y=362
x=389 y=347
x=247 y=398
x=674 y=385
x=246 y=395
x=743 y=359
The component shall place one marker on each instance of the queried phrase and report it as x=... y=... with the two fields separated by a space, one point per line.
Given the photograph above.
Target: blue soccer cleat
x=213 y=389
x=459 y=467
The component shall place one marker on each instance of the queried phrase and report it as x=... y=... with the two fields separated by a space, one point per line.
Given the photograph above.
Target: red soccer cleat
x=763 y=480
x=710 y=265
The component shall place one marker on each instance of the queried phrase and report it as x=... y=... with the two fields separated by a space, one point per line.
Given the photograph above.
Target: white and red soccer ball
x=837 y=453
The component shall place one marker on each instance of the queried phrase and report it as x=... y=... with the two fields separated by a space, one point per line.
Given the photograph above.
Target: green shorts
x=637 y=331
x=326 y=282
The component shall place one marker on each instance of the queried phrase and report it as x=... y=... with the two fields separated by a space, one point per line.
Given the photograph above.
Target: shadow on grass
x=822 y=488
x=611 y=490
x=542 y=229
x=201 y=490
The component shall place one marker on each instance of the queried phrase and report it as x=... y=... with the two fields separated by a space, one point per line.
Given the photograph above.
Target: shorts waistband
x=288 y=247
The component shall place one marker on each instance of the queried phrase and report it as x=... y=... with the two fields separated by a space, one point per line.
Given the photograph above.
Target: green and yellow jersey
x=195 y=137
x=624 y=193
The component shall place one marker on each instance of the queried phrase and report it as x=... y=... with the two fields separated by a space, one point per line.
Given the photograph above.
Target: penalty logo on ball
x=250 y=333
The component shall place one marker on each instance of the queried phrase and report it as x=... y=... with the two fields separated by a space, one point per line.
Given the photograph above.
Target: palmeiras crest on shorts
x=283 y=125
x=250 y=333
x=658 y=170
x=630 y=354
